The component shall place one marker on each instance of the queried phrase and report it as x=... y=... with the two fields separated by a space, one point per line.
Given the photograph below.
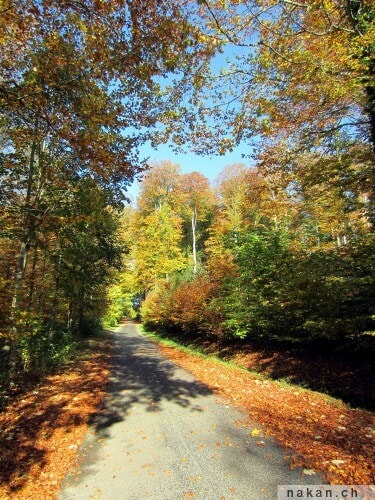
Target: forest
x=279 y=248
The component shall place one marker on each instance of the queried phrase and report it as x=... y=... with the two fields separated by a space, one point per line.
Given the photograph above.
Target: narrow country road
x=163 y=435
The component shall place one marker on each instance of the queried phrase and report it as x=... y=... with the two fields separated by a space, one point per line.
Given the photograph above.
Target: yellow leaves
x=189 y=494
x=308 y=472
x=195 y=479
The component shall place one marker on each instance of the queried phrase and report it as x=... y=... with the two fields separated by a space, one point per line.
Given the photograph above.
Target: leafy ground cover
x=339 y=372
x=43 y=426
x=321 y=433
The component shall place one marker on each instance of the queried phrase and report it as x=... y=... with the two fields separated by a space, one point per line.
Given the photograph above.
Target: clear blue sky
x=209 y=166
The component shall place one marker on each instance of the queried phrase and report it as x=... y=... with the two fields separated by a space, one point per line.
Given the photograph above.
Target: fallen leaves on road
x=42 y=429
x=322 y=434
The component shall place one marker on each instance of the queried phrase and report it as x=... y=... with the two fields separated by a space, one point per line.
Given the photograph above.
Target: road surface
x=164 y=435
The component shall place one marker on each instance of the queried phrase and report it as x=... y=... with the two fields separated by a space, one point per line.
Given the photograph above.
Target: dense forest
x=281 y=249
x=250 y=257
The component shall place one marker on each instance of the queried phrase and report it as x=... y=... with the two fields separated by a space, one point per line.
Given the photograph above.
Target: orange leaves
x=294 y=418
x=189 y=304
x=185 y=305
x=42 y=429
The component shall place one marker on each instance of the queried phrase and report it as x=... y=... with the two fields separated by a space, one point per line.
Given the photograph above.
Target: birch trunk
x=193 y=227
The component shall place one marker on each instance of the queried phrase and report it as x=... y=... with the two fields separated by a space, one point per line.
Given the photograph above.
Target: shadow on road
x=141 y=376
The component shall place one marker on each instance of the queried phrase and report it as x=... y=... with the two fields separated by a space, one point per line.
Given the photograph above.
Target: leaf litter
x=321 y=434
x=42 y=429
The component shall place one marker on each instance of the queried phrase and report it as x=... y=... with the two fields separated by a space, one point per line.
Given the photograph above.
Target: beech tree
x=157 y=247
x=81 y=86
x=157 y=227
x=302 y=73
x=287 y=258
x=160 y=187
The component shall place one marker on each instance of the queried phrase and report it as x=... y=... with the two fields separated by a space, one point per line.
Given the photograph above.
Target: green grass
x=161 y=338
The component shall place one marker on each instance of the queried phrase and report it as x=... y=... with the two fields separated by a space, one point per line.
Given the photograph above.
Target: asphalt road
x=163 y=435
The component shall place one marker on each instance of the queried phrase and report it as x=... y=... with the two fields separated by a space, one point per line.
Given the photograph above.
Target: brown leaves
x=43 y=429
x=296 y=417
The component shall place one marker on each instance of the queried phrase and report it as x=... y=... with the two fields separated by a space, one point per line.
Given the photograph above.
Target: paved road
x=163 y=435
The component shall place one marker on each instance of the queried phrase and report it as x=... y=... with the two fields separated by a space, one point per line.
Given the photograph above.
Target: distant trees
x=80 y=89
x=274 y=264
x=171 y=209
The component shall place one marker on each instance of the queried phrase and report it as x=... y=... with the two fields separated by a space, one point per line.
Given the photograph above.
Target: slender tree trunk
x=370 y=109
x=69 y=322
x=32 y=278
x=193 y=227
x=55 y=301
x=28 y=225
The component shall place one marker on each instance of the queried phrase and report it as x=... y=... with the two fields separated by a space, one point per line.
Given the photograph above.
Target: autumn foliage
x=79 y=93
x=280 y=258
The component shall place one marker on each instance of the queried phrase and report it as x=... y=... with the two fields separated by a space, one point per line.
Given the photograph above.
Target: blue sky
x=210 y=166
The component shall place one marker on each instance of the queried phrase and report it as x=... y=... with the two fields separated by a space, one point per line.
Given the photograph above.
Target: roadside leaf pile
x=320 y=433
x=42 y=429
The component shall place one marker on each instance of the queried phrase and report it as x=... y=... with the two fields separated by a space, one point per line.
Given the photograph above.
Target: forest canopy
x=281 y=249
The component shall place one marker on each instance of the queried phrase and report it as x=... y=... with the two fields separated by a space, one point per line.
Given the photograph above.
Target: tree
x=156 y=248
x=198 y=202
x=160 y=186
x=299 y=73
x=87 y=250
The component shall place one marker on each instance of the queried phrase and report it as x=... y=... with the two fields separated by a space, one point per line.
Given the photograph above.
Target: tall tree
x=157 y=226
x=157 y=247
x=298 y=72
x=198 y=202
x=160 y=186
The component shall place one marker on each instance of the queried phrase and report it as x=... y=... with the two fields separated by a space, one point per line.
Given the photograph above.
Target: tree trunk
x=26 y=237
x=361 y=16
x=28 y=224
x=193 y=227
x=55 y=300
x=32 y=278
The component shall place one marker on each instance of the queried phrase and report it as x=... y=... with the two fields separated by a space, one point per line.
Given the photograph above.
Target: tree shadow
x=344 y=374
x=34 y=414
x=141 y=376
